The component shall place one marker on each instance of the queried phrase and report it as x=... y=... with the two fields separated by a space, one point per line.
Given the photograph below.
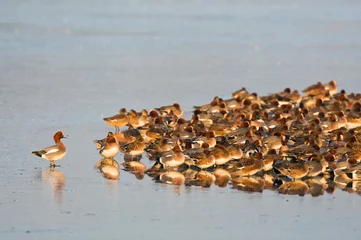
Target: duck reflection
x=248 y=184
x=222 y=177
x=189 y=175
x=354 y=187
x=203 y=179
x=296 y=187
x=269 y=181
x=316 y=186
x=129 y=158
x=109 y=168
x=56 y=180
x=346 y=182
x=155 y=170
x=276 y=180
x=136 y=168
x=172 y=178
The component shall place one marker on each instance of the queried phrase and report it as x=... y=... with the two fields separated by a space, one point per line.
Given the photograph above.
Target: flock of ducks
x=283 y=141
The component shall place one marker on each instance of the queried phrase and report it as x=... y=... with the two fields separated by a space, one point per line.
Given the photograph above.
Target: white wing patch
x=52 y=151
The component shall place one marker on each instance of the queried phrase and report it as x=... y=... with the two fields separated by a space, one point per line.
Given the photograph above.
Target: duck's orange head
x=111 y=139
x=59 y=135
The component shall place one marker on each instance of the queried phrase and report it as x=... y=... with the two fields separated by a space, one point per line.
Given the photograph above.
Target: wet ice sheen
x=65 y=65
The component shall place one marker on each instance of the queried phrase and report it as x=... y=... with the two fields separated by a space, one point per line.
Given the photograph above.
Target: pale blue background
x=66 y=64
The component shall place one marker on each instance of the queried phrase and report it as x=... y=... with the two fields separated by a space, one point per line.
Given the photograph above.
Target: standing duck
x=53 y=153
x=118 y=120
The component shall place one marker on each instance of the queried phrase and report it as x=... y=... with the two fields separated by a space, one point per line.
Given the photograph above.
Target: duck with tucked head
x=110 y=149
x=246 y=166
x=135 y=148
x=173 y=158
x=175 y=108
x=295 y=169
x=53 y=153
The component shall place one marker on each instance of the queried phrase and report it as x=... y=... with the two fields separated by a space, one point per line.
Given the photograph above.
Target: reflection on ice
x=56 y=180
x=109 y=168
x=172 y=177
x=136 y=168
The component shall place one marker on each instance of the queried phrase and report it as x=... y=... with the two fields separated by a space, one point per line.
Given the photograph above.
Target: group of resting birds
x=295 y=144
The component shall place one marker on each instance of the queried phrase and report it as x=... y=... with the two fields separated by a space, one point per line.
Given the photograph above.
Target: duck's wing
x=51 y=149
x=48 y=151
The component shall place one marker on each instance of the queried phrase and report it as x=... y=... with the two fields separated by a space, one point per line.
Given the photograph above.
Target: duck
x=138 y=119
x=245 y=167
x=187 y=133
x=180 y=124
x=221 y=154
x=135 y=148
x=353 y=120
x=295 y=170
x=241 y=93
x=131 y=134
x=110 y=149
x=206 y=107
x=282 y=136
x=273 y=142
x=233 y=103
x=314 y=168
x=315 y=89
x=157 y=130
x=175 y=108
x=331 y=87
x=204 y=117
x=118 y=120
x=173 y=158
x=235 y=151
x=269 y=159
x=55 y=152
x=331 y=124
x=101 y=142
x=207 y=137
x=288 y=96
x=156 y=149
x=204 y=160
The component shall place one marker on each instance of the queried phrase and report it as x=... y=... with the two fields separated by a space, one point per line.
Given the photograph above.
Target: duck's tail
x=98 y=143
x=37 y=153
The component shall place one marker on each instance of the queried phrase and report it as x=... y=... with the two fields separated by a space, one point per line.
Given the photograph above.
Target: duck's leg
x=53 y=165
